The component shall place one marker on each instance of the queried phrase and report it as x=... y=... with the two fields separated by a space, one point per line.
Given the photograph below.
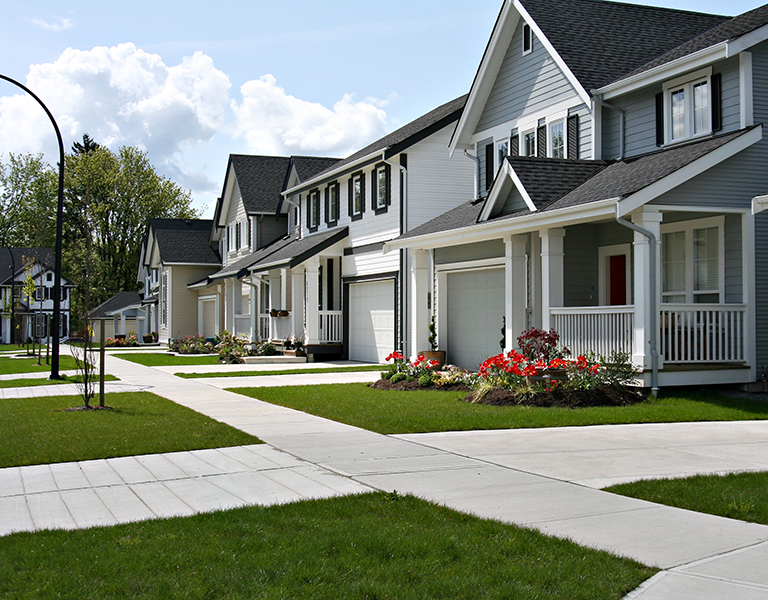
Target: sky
x=192 y=82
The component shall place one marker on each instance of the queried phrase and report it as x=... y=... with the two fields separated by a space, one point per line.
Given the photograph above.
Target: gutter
x=477 y=173
x=654 y=301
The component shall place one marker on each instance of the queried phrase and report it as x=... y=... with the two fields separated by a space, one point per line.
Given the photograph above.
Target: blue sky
x=192 y=82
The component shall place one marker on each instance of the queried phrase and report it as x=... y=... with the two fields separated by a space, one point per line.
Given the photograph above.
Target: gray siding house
x=620 y=192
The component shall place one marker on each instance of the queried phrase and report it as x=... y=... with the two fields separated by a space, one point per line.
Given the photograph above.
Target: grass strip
x=308 y=371
x=735 y=496
x=165 y=359
x=12 y=383
x=367 y=546
x=29 y=364
x=40 y=430
x=395 y=412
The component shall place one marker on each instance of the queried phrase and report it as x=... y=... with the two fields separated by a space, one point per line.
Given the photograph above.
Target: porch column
x=651 y=221
x=419 y=302
x=122 y=323
x=229 y=305
x=297 y=301
x=515 y=284
x=274 y=302
x=253 y=299
x=551 y=272
x=313 y=291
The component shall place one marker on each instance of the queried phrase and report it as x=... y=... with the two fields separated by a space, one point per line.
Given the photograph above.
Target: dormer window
x=527 y=39
x=686 y=110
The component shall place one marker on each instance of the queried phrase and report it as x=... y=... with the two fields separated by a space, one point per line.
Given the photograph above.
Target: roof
x=260 y=179
x=121 y=300
x=186 y=241
x=309 y=166
x=602 y=41
x=589 y=181
x=402 y=138
x=13 y=263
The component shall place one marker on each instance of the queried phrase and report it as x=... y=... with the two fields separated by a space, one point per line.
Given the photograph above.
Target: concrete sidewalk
x=544 y=478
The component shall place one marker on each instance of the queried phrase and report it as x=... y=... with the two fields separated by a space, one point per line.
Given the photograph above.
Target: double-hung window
x=381 y=188
x=529 y=143
x=687 y=107
x=356 y=196
x=502 y=151
x=332 y=203
x=692 y=259
x=557 y=139
x=313 y=210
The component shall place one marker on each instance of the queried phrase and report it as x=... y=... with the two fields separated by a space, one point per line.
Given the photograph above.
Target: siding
x=513 y=203
x=480 y=153
x=734 y=291
x=580 y=266
x=585 y=130
x=761 y=292
x=183 y=301
x=468 y=252
x=269 y=229
x=524 y=84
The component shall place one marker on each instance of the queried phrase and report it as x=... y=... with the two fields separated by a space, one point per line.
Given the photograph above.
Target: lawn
x=39 y=430
x=308 y=371
x=12 y=383
x=736 y=496
x=165 y=359
x=420 y=411
x=29 y=365
x=369 y=546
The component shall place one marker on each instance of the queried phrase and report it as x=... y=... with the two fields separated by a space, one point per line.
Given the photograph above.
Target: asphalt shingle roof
x=15 y=260
x=602 y=41
x=184 y=241
x=116 y=302
x=260 y=179
x=309 y=166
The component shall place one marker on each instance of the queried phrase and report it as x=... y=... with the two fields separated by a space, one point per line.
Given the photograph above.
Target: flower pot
x=273 y=313
x=438 y=355
x=282 y=313
x=148 y=338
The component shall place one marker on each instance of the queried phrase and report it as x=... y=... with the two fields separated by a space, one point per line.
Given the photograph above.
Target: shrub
x=386 y=374
x=537 y=344
x=192 y=344
x=231 y=348
x=398 y=377
x=265 y=349
x=420 y=366
x=131 y=339
x=426 y=380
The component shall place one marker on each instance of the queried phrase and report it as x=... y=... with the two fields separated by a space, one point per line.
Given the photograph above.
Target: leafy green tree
x=28 y=192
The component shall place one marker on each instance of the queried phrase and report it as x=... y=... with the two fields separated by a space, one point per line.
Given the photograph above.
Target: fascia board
x=663 y=72
x=747 y=40
x=759 y=204
x=485 y=231
x=554 y=54
x=501 y=36
x=181 y=264
x=335 y=174
x=689 y=171
x=226 y=195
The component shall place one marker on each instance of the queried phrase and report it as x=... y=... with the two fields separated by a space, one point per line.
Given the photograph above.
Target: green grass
x=736 y=496
x=392 y=412
x=39 y=430
x=358 y=547
x=29 y=365
x=12 y=383
x=13 y=347
x=308 y=371
x=164 y=359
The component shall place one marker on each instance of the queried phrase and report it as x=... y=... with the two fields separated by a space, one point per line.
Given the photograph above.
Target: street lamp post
x=59 y=221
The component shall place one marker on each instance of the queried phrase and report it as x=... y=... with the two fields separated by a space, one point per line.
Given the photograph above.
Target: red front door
x=617 y=280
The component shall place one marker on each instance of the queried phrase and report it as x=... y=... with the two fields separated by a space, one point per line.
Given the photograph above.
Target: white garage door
x=371 y=320
x=475 y=312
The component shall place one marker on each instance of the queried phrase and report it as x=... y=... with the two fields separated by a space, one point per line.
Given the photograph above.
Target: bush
x=386 y=374
x=265 y=349
x=192 y=344
x=537 y=344
x=231 y=348
x=426 y=380
x=398 y=377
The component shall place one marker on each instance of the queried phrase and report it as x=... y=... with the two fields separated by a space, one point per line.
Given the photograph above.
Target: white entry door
x=475 y=311
x=371 y=320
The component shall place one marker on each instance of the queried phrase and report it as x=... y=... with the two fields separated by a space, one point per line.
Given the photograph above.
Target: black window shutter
x=327 y=204
x=362 y=193
x=489 y=170
x=573 y=137
x=317 y=208
x=541 y=141
x=309 y=210
x=717 y=86
x=514 y=145
x=660 y=119
x=389 y=185
x=350 y=199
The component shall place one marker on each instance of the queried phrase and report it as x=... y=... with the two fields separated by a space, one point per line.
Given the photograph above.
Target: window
x=231 y=238
x=41 y=326
x=238 y=237
x=529 y=143
x=248 y=234
x=557 y=140
x=687 y=108
x=502 y=151
x=693 y=262
x=381 y=191
x=527 y=39
x=164 y=298
x=332 y=203
x=49 y=277
x=313 y=210
x=356 y=196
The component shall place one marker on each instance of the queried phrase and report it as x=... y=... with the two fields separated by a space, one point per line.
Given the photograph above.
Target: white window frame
x=502 y=151
x=357 y=210
x=524 y=145
x=551 y=138
x=688 y=228
x=527 y=39
x=164 y=298
x=333 y=203
x=381 y=200
x=687 y=84
x=313 y=206
x=603 y=275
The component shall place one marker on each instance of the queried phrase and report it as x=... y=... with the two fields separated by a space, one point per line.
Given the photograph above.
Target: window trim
x=527 y=45
x=688 y=227
x=551 y=138
x=332 y=203
x=313 y=209
x=524 y=146
x=687 y=83
x=355 y=214
x=378 y=207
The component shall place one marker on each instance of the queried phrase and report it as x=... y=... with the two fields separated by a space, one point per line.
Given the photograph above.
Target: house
x=620 y=148
x=175 y=253
x=29 y=317
x=329 y=277
x=121 y=314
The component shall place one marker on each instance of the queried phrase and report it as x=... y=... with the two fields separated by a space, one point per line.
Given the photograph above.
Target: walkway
x=545 y=478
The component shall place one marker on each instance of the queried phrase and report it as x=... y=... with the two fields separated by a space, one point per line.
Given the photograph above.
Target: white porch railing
x=702 y=332
x=330 y=326
x=598 y=329
x=243 y=325
x=264 y=326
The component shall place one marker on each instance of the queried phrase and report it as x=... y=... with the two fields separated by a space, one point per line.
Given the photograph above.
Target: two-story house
x=619 y=150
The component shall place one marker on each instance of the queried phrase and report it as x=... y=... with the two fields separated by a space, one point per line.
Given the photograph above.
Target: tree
x=27 y=201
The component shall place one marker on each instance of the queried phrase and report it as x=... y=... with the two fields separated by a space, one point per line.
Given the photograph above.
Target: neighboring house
x=329 y=275
x=32 y=316
x=620 y=148
x=121 y=314
x=175 y=253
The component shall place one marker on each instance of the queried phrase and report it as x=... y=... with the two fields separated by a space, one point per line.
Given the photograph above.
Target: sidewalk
x=544 y=478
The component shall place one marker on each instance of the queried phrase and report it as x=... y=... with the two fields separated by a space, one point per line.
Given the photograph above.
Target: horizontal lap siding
x=585 y=130
x=469 y=252
x=760 y=86
x=580 y=268
x=733 y=260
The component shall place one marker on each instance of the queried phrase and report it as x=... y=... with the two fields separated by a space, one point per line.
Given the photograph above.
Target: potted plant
x=273 y=312
x=148 y=338
x=282 y=313
x=433 y=353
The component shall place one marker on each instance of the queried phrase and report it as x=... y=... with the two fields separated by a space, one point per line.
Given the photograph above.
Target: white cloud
x=119 y=95
x=273 y=122
x=58 y=24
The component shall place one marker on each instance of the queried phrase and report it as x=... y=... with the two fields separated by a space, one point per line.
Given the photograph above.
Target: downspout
x=654 y=303
x=477 y=174
x=622 y=119
x=403 y=228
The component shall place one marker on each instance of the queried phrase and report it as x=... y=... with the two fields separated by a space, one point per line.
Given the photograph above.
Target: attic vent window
x=527 y=39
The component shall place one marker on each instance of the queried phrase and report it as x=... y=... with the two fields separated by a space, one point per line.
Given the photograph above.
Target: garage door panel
x=371 y=320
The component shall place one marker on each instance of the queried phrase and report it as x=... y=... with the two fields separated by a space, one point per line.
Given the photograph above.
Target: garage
x=475 y=308
x=371 y=320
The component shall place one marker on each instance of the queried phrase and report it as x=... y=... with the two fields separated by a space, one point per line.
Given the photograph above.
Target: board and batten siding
x=524 y=84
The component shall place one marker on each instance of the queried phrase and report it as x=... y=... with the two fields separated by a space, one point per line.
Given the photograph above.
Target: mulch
x=601 y=396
